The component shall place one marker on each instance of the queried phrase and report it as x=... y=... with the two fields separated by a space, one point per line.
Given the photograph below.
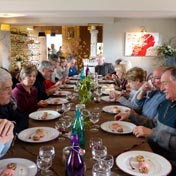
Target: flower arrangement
x=85 y=88
x=166 y=50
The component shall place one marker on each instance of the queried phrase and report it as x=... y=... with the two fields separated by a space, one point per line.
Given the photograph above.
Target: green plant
x=85 y=88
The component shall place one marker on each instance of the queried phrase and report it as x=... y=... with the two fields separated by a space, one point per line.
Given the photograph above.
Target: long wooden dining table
x=116 y=143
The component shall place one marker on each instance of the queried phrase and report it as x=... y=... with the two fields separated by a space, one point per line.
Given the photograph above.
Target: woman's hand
x=42 y=103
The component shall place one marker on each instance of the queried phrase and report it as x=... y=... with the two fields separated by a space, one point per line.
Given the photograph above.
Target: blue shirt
x=150 y=103
x=4 y=148
x=73 y=71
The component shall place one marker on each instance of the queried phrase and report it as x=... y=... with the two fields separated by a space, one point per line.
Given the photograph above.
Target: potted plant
x=168 y=53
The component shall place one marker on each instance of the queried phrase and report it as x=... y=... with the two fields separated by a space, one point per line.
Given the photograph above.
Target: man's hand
x=6 y=131
x=141 y=131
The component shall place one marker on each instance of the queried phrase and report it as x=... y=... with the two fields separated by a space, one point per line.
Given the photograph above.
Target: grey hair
x=44 y=64
x=172 y=72
x=4 y=76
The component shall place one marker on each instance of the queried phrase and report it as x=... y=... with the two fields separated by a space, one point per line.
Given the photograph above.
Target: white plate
x=106 y=98
x=56 y=101
x=72 y=81
x=62 y=93
x=49 y=134
x=158 y=165
x=127 y=127
x=105 y=81
x=24 y=167
x=110 y=109
x=38 y=115
x=67 y=86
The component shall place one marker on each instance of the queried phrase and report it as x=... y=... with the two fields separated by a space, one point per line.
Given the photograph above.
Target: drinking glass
x=109 y=159
x=45 y=151
x=68 y=123
x=94 y=118
x=99 y=152
x=95 y=141
x=101 y=169
x=61 y=127
x=44 y=163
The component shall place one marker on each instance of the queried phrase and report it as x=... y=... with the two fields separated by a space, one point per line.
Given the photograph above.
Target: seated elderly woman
x=135 y=77
x=25 y=93
x=6 y=136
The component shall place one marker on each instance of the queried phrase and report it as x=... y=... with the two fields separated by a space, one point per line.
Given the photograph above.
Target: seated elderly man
x=150 y=97
x=6 y=135
x=103 y=68
x=161 y=130
x=7 y=108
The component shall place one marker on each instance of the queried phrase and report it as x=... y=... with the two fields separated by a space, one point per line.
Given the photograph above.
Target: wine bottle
x=74 y=164
x=87 y=70
x=78 y=127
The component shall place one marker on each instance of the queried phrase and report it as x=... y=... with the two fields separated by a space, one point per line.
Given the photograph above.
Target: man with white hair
x=103 y=68
x=7 y=109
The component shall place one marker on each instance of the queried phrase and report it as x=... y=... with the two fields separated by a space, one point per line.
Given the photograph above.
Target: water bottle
x=78 y=126
x=87 y=70
x=74 y=164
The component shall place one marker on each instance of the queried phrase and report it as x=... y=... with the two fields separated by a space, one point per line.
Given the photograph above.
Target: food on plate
x=44 y=116
x=9 y=170
x=12 y=166
x=115 y=127
x=143 y=167
x=36 y=137
x=40 y=133
x=57 y=101
x=140 y=158
x=108 y=87
x=116 y=109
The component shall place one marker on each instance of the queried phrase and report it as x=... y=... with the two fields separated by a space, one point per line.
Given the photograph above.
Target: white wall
x=114 y=38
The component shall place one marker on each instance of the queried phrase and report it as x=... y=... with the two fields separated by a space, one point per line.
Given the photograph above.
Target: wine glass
x=95 y=141
x=99 y=152
x=94 y=118
x=109 y=159
x=44 y=163
x=101 y=168
x=47 y=150
x=61 y=127
x=68 y=123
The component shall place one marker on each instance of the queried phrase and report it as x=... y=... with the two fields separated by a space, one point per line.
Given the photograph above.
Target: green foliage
x=85 y=88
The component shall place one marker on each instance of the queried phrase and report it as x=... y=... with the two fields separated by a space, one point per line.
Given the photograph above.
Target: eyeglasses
x=155 y=78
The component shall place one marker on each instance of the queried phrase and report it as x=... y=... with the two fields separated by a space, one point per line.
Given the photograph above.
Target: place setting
x=115 y=109
x=44 y=115
x=18 y=167
x=56 y=101
x=62 y=93
x=38 y=134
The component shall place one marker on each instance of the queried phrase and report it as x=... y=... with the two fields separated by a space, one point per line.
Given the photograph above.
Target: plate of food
x=72 y=81
x=143 y=163
x=67 y=86
x=118 y=127
x=62 y=93
x=17 y=167
x=106 y=99
x=56 y=101
x=44 y=115
x=38 y=134
x=105 y=81
x=115 y=109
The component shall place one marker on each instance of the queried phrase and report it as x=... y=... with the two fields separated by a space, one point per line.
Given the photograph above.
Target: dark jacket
x=20 y=119
x=39 y=84
x=104 y=69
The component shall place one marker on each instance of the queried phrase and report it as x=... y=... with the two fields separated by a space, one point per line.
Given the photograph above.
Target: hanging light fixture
x=53 y=34
x=5 y=27
x=41 y=34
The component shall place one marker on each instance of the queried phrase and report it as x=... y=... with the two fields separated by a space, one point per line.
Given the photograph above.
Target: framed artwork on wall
x=70 y=32
x=141 y=43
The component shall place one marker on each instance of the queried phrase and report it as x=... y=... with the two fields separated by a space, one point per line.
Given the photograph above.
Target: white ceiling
x=81 y=12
